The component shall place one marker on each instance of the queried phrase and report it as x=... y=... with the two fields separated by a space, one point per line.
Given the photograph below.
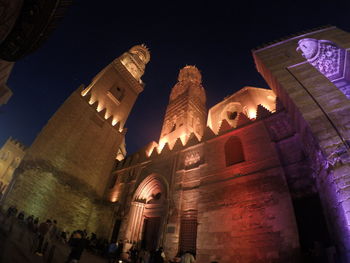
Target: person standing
x=133 y=252
x=43 y=230
x=77 y=244
x=112 y=252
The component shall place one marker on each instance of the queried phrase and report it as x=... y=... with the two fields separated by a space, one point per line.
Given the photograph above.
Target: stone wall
x=244 y=211
x=45 y=192
x=78 y=141
x=319 y=112
x=247 y=219
x=64 y=173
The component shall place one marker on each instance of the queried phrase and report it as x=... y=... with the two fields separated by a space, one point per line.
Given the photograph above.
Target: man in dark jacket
x=77 y=244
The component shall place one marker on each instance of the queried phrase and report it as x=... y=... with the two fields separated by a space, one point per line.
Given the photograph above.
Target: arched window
x=233 y=151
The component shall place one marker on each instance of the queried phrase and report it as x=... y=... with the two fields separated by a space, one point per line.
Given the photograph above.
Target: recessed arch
x=147 y=212
x=151 y=185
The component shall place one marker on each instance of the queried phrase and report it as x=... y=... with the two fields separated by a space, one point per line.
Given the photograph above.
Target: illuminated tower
x=68 y=165
x=186 y=112
x=117 y=86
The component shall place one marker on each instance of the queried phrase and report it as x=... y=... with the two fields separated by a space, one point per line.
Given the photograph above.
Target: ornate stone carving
x=338 y=157
x=324 y=55
x=279 y=129
x=192 y=158
x=230 y=113
x=178 y=89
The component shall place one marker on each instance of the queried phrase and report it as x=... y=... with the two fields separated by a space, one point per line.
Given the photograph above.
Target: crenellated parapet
x=113 y=91
x=17 y=143
x=153 y=149
x=243 y=102
x=100 y=111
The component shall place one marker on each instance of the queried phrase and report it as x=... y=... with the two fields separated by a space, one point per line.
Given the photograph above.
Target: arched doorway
x=147 y=213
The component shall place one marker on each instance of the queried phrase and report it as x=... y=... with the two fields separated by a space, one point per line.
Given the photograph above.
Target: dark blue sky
x=214 y=36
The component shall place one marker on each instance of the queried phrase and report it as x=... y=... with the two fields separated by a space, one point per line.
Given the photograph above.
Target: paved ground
x=16 y=247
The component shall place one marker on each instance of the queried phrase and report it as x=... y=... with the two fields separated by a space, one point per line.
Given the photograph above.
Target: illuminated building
x=262 y=176
x=266 y=180
x=11 y=154
x=65 y=171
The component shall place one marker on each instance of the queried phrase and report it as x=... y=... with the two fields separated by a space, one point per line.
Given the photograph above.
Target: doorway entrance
x=116 y=230
x=150 y=233
x=146 y=216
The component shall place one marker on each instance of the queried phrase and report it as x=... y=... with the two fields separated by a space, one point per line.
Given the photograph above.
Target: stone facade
x=186 y=111
x=266 y=180
x=312 y=84
x=222 y=205
x=11 y=154
x=65 y=171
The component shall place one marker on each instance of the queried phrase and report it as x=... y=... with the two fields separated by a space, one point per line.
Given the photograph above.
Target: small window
x=117 y=92
x=233 y=151
x=232 y=115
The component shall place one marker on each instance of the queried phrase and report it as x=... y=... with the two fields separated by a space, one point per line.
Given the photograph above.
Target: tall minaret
x=66 y=171
x=117 y=86
x=186 y=111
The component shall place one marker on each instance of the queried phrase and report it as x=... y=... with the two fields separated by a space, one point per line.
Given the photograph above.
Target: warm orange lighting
x=183 y=138
x=107 y=115
x=252 y=113
x=151 y=148
x=114 y=122
x=91 y=101
x=114 y=199
x=99 y=107
x=85 y=91
x=271 y=98
x=161 y=145
x=149 y=152
x=266 y=106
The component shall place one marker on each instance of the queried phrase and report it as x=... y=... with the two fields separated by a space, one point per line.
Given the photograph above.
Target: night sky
x=214 y=36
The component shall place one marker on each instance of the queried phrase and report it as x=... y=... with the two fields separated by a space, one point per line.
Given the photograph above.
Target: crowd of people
x=158 y=256
x=47 y=234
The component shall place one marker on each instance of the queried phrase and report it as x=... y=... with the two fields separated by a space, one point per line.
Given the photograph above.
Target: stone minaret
x=65 y=172
x=186 y=112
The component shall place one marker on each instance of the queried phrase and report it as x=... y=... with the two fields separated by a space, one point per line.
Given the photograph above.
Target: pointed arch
x=150 y=186
x=146 y=214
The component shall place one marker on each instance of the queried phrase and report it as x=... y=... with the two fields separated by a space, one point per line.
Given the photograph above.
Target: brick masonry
x=319 y=112
x=244 y=211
